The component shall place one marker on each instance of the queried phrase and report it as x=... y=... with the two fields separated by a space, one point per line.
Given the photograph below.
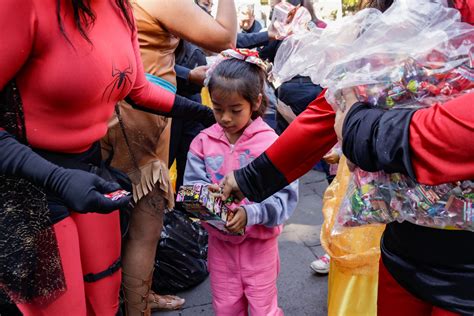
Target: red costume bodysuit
x=69 y=88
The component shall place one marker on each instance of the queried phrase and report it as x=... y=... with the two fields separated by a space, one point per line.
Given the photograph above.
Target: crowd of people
x=98 y=99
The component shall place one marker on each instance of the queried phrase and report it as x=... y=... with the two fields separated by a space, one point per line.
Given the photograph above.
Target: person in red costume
x=423 y=271
x=72 y=61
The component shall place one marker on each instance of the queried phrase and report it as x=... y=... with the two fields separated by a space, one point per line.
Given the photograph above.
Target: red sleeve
x=305 y=141
x=442 y=141
x=17 y=34
x=146 y=93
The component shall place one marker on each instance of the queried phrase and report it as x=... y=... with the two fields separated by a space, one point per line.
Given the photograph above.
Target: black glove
x=182 y=108
x=80 y=190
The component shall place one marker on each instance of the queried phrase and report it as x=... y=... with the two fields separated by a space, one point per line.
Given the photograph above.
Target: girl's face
x=232 y=112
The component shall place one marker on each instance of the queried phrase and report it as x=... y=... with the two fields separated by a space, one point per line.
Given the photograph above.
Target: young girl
x=243 y=269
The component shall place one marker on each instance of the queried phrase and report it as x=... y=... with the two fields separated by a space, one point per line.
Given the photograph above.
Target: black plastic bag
x=181 y=259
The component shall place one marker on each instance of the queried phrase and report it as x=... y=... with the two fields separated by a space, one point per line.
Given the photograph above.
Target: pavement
x=300 y=292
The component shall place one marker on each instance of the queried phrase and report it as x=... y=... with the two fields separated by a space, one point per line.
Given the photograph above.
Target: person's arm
x=182 y=72
x=252 y=40
x=293 y=154
x=195 y=171
x=432 y=145
x=274 y=210
x=195 y=25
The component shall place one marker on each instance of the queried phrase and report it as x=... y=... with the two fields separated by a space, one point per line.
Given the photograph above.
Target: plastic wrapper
x=428 y=59
x=414 y=54
x=309 y=53
x=181 y=258
x=355 y=255
x=287 y=19
x=383 y=198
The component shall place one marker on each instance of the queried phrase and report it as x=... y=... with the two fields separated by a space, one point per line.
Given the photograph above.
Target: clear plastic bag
x=414 y=55
x=377 y=197
x=288 y=19
x=310 y=53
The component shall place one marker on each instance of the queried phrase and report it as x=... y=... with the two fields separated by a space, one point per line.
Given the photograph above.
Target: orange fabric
x=157 y=45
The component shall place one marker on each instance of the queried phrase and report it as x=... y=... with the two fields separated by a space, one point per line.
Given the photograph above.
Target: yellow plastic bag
x=355 y=254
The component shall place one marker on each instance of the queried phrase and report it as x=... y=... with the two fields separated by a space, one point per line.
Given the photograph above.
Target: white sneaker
x=321 y=265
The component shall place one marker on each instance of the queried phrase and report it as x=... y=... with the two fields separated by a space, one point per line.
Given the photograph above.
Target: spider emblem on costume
x=120 y=82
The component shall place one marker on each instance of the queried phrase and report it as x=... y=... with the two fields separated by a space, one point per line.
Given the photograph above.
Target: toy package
x=205 y=205
x=288 y=19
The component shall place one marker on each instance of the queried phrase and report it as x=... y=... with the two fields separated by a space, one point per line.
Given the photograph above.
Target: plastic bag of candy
x=415 y=54
x=377 y=197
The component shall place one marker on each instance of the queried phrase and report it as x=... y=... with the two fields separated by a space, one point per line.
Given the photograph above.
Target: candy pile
x=383 y=198
x=420 y=82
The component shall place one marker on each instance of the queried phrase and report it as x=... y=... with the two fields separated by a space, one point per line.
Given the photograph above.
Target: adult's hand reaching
x=198 y=75
x=230 y=188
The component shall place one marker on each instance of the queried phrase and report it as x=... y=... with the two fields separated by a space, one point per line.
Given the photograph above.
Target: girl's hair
x=84 y=17
x=244 y=78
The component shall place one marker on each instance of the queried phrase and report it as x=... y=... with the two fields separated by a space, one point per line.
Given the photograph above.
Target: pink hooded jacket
x=211 y=157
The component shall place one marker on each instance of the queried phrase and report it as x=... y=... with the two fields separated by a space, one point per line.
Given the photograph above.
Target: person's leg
x=260 y=270
x=99 y=240
x=139 y=250
x=394 y=300
x=73 y=302
x=226 y=284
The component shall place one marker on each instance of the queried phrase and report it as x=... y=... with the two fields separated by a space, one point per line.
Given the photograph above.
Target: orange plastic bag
x=355 y=254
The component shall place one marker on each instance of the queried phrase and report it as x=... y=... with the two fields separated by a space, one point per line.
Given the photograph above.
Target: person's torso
x=69 y=91
x=433 y=264
x=220 y=157
x=157 y=45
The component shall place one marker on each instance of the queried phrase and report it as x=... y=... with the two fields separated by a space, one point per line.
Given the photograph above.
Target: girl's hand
x=238 y=221
x=230 y=188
